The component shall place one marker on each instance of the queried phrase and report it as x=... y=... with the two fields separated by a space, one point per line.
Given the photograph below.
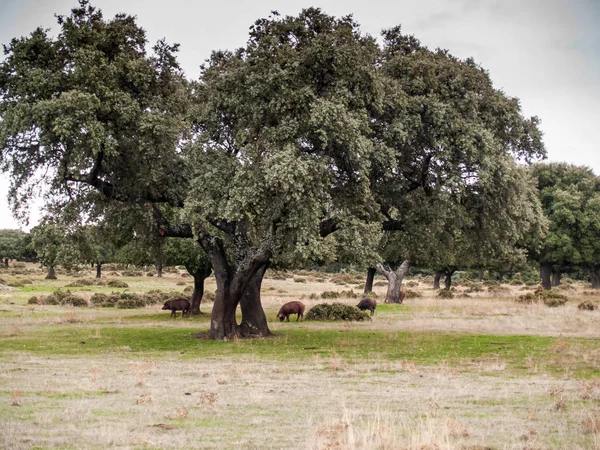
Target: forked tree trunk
x=51 y=273
x=556 y=276
x=232 y=282
x=370 y=277
x=546 y=274
x=436 y=280
x=98 y=270
x=448 y=280
x=595 y=277
x=254 y=320
x=395 y=279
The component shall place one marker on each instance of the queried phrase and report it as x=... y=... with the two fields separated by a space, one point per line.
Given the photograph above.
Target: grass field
x=472 y=372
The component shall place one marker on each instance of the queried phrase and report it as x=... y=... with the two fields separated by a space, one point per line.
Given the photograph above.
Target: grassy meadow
x=474 y=372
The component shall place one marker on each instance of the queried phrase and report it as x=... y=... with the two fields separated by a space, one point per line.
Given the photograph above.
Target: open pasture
x=472 y=372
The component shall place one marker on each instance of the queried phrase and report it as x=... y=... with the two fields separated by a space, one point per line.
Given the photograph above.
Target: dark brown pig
x=291 y=308
x=367 y=303
x=176 y=305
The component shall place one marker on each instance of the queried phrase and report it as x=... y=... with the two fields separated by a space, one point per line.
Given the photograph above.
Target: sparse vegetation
x=336 y=311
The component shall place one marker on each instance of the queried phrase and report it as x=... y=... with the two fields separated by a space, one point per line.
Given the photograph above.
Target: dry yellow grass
x=134 y=400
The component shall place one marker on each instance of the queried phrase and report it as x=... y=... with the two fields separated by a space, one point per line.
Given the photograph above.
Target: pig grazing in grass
x=367 y=303
x=176 y=305
x=291 y=308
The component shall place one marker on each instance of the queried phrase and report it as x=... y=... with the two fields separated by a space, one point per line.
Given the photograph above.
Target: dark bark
x=98 y=270
x=436 y=280
x=546 y=273
x=395 y=279
x=370 y=277
x=199 y=275
x=500 y=277
x=595 y=277
x=232 y=282
x=159 y=269
x=556 y=276
x=481 y=275
x=6 y=263
x=254 y=320
x=448 y=279
x=51 y=273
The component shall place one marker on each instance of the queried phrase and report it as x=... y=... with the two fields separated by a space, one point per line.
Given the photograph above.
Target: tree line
x=314 y=142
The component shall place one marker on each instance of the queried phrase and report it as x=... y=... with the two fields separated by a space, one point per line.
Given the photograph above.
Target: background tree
x=13 y=245
x=96 y=245
x=188 y=253
x=570 y=196
x=48 y=240
x=444 y=169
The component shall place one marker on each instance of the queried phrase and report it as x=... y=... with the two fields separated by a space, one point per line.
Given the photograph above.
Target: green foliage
x=59 y=297
x=336 y=311
x=14 y=244
x=117 y=284
x=570 y=196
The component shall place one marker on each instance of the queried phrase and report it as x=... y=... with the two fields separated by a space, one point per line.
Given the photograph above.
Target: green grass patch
x=523 y=354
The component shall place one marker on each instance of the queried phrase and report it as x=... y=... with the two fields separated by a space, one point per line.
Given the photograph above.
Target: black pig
x=176 y=305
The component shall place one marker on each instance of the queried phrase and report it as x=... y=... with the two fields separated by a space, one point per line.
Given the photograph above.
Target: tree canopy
x=308 y=142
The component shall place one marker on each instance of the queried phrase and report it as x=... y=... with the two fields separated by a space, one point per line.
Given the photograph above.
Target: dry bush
x=409 y=293
x=336 y=311
x=299 y=280
x=117 y=284
x=445 y=293
x=588 y=305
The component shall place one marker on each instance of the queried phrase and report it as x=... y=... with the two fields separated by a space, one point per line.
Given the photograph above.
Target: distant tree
x=96 y=245
x=188 y=253
x=13 y=245
x=570 y=196
x=48 y=239
x=444 y=172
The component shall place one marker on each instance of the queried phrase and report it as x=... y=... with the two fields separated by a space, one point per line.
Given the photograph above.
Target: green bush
x=369 y=294
x=330 y=294
x=74 y=300
x=409 y=293
x=445 y=293
x=117 y=284
x=550 y=298
x=99 y=298
x=336 y=311
x=33 y=300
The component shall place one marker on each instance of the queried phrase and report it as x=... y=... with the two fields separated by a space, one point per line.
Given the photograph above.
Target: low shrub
x=99 y=298
x=550 y=298
x=587 y=305
x=149 y=274
x=336 y=311
x=370 y=294
x=300 y=280
x=380 y=283
x=330 y=294
x=188 y=289
x=475 y=287
x=208 y=296
x=75 y=300
x=445 y=293
x=181 y=283
x=117 y=284
x=131 y=273
x=409 y=293
x=412 y=283
x=33 y=300
x=16 y=284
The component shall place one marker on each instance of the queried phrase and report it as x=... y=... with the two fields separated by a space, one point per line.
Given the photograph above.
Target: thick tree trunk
x=546 y=273
x=254 y=320
x=199 y=275
x=556 y=276
x=395 y=279
x=223 y=324
x=448 y=280
x=159 y=268
x=98 y=270
x=51 y=273
x=370 y=277
x=197 y=295
x=595 y=277
x=436 y=280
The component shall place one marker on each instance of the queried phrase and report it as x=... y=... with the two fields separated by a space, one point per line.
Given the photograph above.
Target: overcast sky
x=545 y=52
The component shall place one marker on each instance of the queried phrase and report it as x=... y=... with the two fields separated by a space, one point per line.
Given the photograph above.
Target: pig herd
x=295 y=307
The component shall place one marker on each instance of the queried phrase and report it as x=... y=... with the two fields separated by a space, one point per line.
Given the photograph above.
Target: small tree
x=48 y=239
